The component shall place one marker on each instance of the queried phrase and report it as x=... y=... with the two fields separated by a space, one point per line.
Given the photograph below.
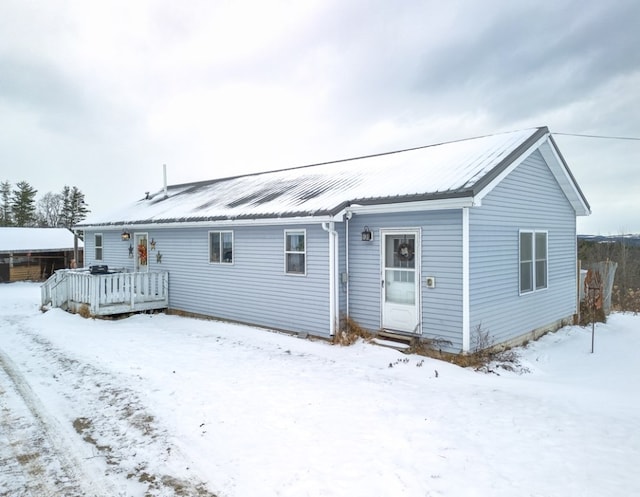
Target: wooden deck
x=106 y=294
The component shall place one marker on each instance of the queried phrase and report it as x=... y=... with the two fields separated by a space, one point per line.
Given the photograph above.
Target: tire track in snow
x=113 y=420
x=41 y=463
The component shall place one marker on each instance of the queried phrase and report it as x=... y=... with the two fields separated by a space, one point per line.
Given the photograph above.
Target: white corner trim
x=466 y=326
x=329 y=227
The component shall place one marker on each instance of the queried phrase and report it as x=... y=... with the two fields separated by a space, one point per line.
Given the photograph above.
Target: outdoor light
x=126 y=236
x=367 y=236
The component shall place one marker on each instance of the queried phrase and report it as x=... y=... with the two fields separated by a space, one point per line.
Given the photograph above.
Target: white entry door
x=400 y=280
x=141 y=252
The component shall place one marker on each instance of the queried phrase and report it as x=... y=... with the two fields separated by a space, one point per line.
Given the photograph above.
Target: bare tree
x=49 y=210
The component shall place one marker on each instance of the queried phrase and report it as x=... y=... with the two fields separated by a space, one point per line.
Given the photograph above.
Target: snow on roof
x=35 y=239
x=447 y=170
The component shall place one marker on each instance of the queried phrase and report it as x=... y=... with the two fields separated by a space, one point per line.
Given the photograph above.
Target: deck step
x=396 y=341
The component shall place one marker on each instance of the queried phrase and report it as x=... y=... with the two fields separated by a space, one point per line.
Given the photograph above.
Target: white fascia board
x=421 y=205
x=564 y=179
x=214 y=224
x=496 y=181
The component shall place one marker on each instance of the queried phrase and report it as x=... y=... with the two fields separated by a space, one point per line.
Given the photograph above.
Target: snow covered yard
x=163 y=405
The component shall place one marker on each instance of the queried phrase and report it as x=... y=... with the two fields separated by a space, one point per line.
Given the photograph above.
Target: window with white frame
x=533 y=261
x=221 y=247
x=295 y=252
x=97 y=244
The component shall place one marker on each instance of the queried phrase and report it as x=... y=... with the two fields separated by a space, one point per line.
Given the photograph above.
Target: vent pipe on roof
x=164 y=173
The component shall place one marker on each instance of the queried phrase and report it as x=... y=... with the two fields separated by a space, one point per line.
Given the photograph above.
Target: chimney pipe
x=164 y=172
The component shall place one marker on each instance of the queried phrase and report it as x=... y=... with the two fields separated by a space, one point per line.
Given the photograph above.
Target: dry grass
x=350 y=332
x=84 y=311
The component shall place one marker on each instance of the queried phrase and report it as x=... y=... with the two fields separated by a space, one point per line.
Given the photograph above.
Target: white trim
x=304 y=232
x=533 y=233
x=233 y=248
x=420 y=205
x=417 y=232
x=561 y=173
x=521 y=158
x=466 y=325
x=278 y=221
x=333 y=275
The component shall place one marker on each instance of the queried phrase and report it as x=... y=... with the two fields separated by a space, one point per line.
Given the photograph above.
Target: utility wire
x=599 y=136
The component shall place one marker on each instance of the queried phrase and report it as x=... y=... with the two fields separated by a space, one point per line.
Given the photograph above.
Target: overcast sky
x=101 y=94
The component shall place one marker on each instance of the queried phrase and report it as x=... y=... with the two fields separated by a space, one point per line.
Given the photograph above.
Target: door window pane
x=400 y=286
x=400 y=251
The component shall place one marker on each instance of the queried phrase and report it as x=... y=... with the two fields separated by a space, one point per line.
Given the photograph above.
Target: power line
x=599 y=136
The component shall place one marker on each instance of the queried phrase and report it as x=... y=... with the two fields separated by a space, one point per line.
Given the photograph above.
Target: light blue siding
x=254 y=289
x=529 y=198
x=441 y=257
x=115 y=252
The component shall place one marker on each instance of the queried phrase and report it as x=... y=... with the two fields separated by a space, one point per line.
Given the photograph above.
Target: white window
x=533 y=261
x=221 y=247
x=295 y=252
x=97 y=238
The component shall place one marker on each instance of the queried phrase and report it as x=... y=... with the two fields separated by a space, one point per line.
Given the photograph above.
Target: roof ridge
x=337 y=161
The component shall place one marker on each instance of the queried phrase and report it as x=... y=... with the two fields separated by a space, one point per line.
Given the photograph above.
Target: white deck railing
x=106 y=294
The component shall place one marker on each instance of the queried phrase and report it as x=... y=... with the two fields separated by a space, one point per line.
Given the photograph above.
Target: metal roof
x=447 y=170
x=35 y=239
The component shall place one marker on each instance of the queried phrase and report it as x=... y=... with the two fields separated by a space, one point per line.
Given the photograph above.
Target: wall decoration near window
x=130 y=251
x=158 y=257
x=153 y=244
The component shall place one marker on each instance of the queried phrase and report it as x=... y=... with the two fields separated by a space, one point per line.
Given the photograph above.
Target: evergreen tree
x=23 y=204
x=5 y=204
x=74 y=208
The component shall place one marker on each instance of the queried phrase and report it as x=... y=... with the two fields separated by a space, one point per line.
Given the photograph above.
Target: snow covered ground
x=163 y=405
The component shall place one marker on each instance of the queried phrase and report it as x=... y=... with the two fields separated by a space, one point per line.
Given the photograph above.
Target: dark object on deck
x=99 y=269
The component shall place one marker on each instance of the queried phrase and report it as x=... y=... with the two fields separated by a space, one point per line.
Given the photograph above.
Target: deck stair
x=397 y=341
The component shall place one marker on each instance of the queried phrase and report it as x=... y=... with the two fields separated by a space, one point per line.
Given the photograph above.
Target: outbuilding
x=460 y=242
x=35 y=253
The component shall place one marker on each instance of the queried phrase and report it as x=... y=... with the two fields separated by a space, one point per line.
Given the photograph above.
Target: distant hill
x=630 y=240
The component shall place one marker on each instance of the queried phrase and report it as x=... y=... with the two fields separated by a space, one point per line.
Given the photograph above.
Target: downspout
x=329 y=227
x=466 y=329
x=348 y=216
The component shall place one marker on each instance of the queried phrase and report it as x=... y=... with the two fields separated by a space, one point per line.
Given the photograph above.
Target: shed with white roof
x=35 y=253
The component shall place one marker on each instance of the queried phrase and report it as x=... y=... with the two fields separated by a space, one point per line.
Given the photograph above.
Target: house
x=438 y=242
x=35 y=253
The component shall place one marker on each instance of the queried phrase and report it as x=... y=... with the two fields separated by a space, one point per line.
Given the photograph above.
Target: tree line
x=625 y=250
x=18 y=206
